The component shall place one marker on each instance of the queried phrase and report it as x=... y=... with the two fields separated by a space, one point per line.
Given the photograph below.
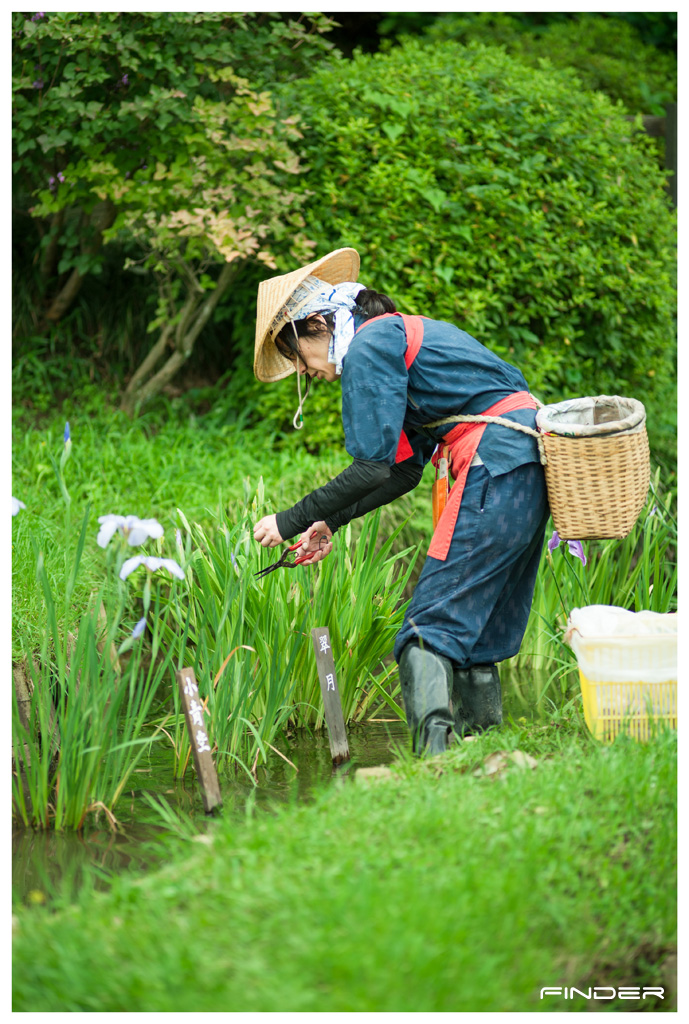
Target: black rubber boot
x=426 y=679
x=461 y=700
x=476 y=699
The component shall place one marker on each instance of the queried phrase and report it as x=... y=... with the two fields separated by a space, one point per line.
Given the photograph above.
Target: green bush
x=607 y=56
x=143 y=131
x=504 y=199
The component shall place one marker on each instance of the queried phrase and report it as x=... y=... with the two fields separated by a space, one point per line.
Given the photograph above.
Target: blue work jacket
x=452 y=374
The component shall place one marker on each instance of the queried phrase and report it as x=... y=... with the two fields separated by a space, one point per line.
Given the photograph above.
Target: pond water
x=43 y=863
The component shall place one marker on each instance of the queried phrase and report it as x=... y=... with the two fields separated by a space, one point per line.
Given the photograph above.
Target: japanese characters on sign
x=332 y=705
x=196 y=712
x=190 y=689
x=201 y=746
x=201 y=741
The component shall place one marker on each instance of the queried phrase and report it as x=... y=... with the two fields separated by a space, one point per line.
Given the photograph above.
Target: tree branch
x=156 y=384
x=185 y=316
x=138 y=393
x=227 y=275
x=50 y=252
x=102 y=217
x=148 y=365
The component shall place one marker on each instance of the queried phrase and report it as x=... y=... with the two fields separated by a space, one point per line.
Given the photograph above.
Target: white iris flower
x=134 y=529
x=139 y=628
x=152 y=564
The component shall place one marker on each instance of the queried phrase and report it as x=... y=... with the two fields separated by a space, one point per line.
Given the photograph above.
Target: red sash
x=413 y=325
x=464 y=440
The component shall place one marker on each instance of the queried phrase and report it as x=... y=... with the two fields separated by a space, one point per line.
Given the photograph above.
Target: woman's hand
x=317 y=542
x=266 y=532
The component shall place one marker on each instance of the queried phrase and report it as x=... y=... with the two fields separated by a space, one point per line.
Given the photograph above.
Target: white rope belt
x=503 y=423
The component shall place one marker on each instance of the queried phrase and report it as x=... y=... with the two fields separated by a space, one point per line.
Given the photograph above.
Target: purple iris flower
x=125 y=79
x=67 y=435
x=575 y=546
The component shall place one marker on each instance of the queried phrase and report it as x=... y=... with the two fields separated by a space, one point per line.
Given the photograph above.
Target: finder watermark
x=605 y=992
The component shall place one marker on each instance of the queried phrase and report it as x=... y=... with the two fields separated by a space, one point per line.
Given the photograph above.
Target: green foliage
x=172 y=455
x=102 y=338
x=79 y=737
x=609 y=56
x=249 y=641
x=188 y=150
x=504 y=199
x=486 y=888
x=654 y=28
x=87 y=721
x=222 y=621
x=153 y=131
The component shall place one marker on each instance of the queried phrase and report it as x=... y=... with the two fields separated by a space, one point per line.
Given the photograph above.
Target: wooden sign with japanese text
x=339 y=747
x=198 y=737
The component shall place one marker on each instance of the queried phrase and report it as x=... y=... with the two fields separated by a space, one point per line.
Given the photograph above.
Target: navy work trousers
x=473 y=607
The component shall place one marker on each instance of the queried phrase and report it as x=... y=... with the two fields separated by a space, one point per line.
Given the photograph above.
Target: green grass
x=208 y=464
x=438 y=888
x=249 y=641
x=435 y=889
x=216 y=615
x=210 y=478
x=148 y=467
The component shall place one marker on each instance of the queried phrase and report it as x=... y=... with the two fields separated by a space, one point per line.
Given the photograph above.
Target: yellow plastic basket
x=628 y=683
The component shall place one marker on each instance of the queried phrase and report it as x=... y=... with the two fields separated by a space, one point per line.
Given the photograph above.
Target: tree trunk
x=102 y=217
x=51 y=250
x=194 y=316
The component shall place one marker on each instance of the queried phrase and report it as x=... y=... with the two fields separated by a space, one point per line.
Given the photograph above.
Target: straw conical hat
x=338 y=266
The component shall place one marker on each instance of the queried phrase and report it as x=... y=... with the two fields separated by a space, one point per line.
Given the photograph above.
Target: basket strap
x=503 y=422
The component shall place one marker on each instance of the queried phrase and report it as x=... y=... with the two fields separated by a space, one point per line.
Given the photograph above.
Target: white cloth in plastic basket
x=607 y=620
x=615 y=645
x=599 y=416
x=628 y=666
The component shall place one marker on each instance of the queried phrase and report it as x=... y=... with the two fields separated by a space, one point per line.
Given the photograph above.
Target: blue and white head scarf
x=316 y=296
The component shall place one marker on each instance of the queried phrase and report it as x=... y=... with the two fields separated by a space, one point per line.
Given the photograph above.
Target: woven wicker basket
x=596 y=460
x=596 y=486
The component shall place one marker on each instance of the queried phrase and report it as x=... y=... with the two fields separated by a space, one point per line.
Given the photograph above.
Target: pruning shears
x=282 y=562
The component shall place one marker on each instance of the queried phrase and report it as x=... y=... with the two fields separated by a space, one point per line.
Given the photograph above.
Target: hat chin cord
x=298 y=421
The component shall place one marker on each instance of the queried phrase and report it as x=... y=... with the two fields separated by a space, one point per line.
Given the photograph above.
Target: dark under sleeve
x=404 y=476
x=351 y=485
